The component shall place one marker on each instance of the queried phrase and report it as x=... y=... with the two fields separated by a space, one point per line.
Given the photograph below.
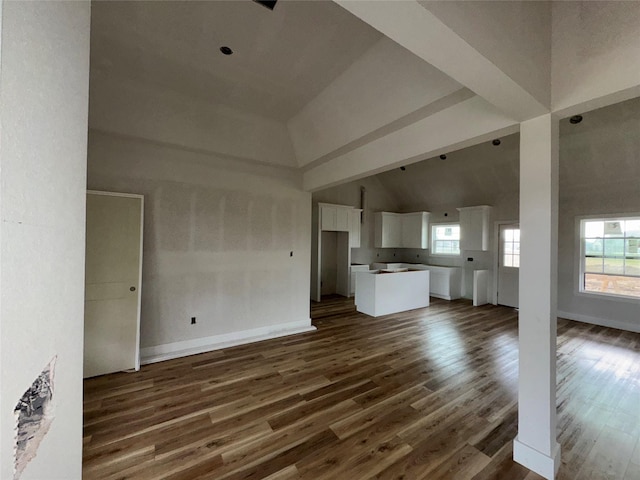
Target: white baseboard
x=169 y=351
x=544 y=465
x=603 y=322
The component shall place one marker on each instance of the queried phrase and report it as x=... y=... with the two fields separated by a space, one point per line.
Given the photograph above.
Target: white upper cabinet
x=474 y=227
x=388 y=232
x=335 y=218
x=415 y=230
x=354 y=227
x=402 y=230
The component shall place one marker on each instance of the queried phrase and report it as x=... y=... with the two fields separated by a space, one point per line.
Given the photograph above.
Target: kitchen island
x=380 y=292
x=445 y=282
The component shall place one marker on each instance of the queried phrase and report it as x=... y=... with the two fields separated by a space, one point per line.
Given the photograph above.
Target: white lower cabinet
x=385 y=293
x=445 y=282
x=354 y=269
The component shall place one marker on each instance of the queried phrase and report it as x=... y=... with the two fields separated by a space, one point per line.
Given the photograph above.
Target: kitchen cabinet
x=402 y=230
x=388 y=230
x=379 y=293
x=334 y=218
x=415 y=230
x=445 y=282
x=354 y=269
x=474 y=227
x=335 y=229
x=355 y=217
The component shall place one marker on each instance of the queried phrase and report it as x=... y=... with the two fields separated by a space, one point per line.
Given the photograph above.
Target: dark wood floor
x=430 y=393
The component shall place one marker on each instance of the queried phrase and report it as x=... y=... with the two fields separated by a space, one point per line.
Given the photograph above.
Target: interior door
x=113 y=273
x=509 y=265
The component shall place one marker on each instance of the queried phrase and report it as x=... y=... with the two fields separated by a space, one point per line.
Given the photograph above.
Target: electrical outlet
x=193 y=320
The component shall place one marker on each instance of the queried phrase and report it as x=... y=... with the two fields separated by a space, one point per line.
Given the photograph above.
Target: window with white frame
x=445 y=239
x=610 y=256
x=511 y=247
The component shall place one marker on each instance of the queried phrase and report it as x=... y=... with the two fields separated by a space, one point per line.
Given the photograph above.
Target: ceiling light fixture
x=443 y=157
x=226 y=50
x=270 y=4
x=575 y=119
x=496 y=142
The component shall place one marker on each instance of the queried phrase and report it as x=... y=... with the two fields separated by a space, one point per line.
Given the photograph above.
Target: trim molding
x=603 y=322
x=168 y=351
x=537 y=461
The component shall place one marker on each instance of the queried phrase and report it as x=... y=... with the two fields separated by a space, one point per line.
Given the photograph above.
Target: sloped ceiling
x=282 y=58
x=472 y=176
x=311 y=87
x=603 y=149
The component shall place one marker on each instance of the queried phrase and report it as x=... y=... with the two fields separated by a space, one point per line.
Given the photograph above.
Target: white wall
x=44 y=98
x=599 y=175
x=596 y=48
x=148 y=111
x=218 y=237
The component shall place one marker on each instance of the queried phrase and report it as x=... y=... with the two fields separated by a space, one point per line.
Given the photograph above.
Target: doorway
x=334 y=263
x=508 y=264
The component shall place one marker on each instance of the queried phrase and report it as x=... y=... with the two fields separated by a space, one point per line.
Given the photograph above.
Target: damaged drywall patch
x=34 y=414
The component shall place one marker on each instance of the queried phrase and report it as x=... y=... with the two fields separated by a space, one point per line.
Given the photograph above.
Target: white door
x=508 y=265
x=112 y=283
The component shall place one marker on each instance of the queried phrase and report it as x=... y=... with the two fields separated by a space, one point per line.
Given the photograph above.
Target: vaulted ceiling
x=338 y=90
x=282 y=58
x=603 y=149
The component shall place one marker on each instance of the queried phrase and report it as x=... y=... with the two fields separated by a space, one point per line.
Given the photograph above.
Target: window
x=610 y=256
x=445 y=239
x=511 y=247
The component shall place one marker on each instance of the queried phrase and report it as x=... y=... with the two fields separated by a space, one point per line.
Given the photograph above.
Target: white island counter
x=445 y=282
x=381 y=293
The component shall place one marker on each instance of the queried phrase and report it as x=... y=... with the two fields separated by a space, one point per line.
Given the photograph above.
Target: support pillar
x=536 y=447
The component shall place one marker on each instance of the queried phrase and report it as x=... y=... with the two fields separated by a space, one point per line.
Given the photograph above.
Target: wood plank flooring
x=427 y=394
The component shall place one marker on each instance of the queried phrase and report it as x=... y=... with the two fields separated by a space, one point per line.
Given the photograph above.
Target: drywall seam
x=184 y=348
x=267 y=168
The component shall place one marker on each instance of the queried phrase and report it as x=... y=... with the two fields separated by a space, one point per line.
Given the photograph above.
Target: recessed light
x=443 y=157
x=575 y=119
x=226 y=50
x=496 y=142
x=270 y=4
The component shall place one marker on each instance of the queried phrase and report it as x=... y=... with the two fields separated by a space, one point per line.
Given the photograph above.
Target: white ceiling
x=282 y=59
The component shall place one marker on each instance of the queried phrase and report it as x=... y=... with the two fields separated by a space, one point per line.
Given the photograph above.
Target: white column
x=535 y=446
x=44 y=100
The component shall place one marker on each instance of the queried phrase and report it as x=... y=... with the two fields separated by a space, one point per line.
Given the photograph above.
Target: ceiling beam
x=464 y=124
x=419 y=31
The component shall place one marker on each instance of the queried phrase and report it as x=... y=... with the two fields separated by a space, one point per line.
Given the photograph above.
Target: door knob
x=133 y=289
